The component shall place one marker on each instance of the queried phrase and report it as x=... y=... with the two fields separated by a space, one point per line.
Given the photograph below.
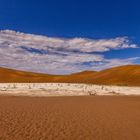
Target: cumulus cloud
x=57 y=55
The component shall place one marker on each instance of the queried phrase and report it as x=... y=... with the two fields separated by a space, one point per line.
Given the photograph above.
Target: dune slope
x=124 y=75
x=128 y=75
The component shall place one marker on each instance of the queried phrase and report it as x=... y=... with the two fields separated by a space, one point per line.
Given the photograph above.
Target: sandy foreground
x=70 y=118
x=64 y=89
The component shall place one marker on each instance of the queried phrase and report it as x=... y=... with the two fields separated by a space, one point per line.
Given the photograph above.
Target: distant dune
x=128 y=75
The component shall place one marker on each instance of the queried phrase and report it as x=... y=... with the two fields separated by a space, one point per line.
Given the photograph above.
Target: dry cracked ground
x=70 y=118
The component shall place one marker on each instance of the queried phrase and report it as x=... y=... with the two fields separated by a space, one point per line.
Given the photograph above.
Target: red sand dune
x=128 y=75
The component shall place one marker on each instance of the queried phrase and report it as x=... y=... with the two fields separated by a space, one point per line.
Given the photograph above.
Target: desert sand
x=128 y=75
x=70 y=118
x=27 y=113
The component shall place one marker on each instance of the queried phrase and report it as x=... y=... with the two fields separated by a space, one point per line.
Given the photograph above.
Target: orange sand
x=128 y=75
x=70 y=118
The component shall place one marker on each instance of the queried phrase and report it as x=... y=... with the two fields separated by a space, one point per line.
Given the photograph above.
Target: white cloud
x=57 y=55
x=108 y=63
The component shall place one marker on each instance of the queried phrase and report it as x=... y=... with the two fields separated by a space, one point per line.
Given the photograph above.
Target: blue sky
x=86 y=19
